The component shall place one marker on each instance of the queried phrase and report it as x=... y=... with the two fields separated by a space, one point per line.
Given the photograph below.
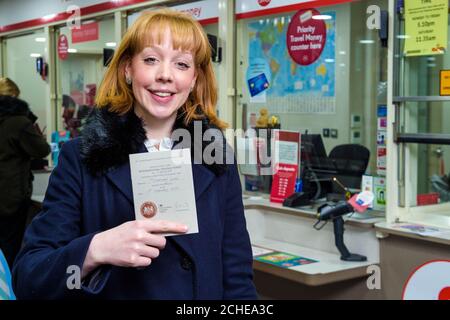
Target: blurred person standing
x=20 y=141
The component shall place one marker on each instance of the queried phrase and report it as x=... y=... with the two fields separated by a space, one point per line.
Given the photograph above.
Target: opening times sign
x=426 y=24
x=306 y=37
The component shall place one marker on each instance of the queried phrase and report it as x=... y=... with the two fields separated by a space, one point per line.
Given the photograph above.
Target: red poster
x=286 y=159
x=63 y=47
x=306 y=37
x=283 y=184
x=86 y=32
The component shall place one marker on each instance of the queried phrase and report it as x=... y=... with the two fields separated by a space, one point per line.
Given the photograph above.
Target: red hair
x=187 y=35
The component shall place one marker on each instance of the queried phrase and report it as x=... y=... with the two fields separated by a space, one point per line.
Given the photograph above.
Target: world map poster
x=293 y=88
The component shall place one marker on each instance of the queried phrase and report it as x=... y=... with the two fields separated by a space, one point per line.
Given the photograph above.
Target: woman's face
x=162 y=78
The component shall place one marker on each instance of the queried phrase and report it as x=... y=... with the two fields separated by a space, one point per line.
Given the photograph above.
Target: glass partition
x=422 y=111
x=24 y=54
x=340 y=97
x=80 y=69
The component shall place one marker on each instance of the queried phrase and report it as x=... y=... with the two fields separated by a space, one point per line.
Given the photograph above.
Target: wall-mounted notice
x=87 y=32
x=444 y=83
x=426 y=24
x=63 y=47
x=306 y=37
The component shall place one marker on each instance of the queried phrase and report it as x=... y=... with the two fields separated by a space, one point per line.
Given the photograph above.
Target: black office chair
x=350 y=159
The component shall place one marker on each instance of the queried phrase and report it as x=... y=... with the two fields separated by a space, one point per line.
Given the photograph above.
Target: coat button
x=186 y=263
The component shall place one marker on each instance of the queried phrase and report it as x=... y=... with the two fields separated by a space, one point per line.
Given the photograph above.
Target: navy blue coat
x=215 y=263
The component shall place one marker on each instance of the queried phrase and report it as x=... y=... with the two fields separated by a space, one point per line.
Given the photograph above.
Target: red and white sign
x=206 y=11
x=430 y=281
x=283 y=184
x=245 y=6
x=86 y=32
x=257 y=8
x=200 y=10
x=263 y=3
x=285 y=157
x=63 y=47
x=381 y=160
x=306 y=37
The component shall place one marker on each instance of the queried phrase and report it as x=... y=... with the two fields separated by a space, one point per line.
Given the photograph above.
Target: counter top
x=366 y=219
x=413 y=230
x=329 y=268
x=290 y=231
x=40 y=184
x=37 y=198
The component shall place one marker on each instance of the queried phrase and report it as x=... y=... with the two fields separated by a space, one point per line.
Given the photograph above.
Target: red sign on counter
x=286 y=159
x=306 y=37
x=86 y=32
x=283 y=183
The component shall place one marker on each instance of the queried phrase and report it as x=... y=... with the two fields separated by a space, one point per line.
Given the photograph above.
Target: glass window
x=340 y=97
x=423 y=129
x=24 y=54
x=80 y=70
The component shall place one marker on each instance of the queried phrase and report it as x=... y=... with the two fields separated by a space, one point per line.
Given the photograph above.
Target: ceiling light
x=49 y=16
x=321 y=17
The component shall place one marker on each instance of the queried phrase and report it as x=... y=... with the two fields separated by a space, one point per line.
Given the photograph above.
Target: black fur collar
x=108 y=138
x=13 y=106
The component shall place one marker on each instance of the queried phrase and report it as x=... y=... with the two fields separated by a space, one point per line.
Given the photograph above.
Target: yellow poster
x=426 y=24
x=444 y=83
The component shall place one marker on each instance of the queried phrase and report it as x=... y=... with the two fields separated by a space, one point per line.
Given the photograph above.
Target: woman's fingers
x=140 y=241
x=163 y=226
x=148 y=252
x=142 y=261
x=154 y=240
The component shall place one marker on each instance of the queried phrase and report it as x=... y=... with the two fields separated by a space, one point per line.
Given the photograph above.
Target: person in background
x=74 y=116
x=160 y=79
x=20 y=141
x=69 y=116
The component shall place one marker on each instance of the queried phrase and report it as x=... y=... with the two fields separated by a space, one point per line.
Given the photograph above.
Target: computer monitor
x=313 y=164
x=313 y=153
x=318 y=170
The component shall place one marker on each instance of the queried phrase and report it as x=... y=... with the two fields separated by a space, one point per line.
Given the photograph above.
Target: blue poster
x=316 y=82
